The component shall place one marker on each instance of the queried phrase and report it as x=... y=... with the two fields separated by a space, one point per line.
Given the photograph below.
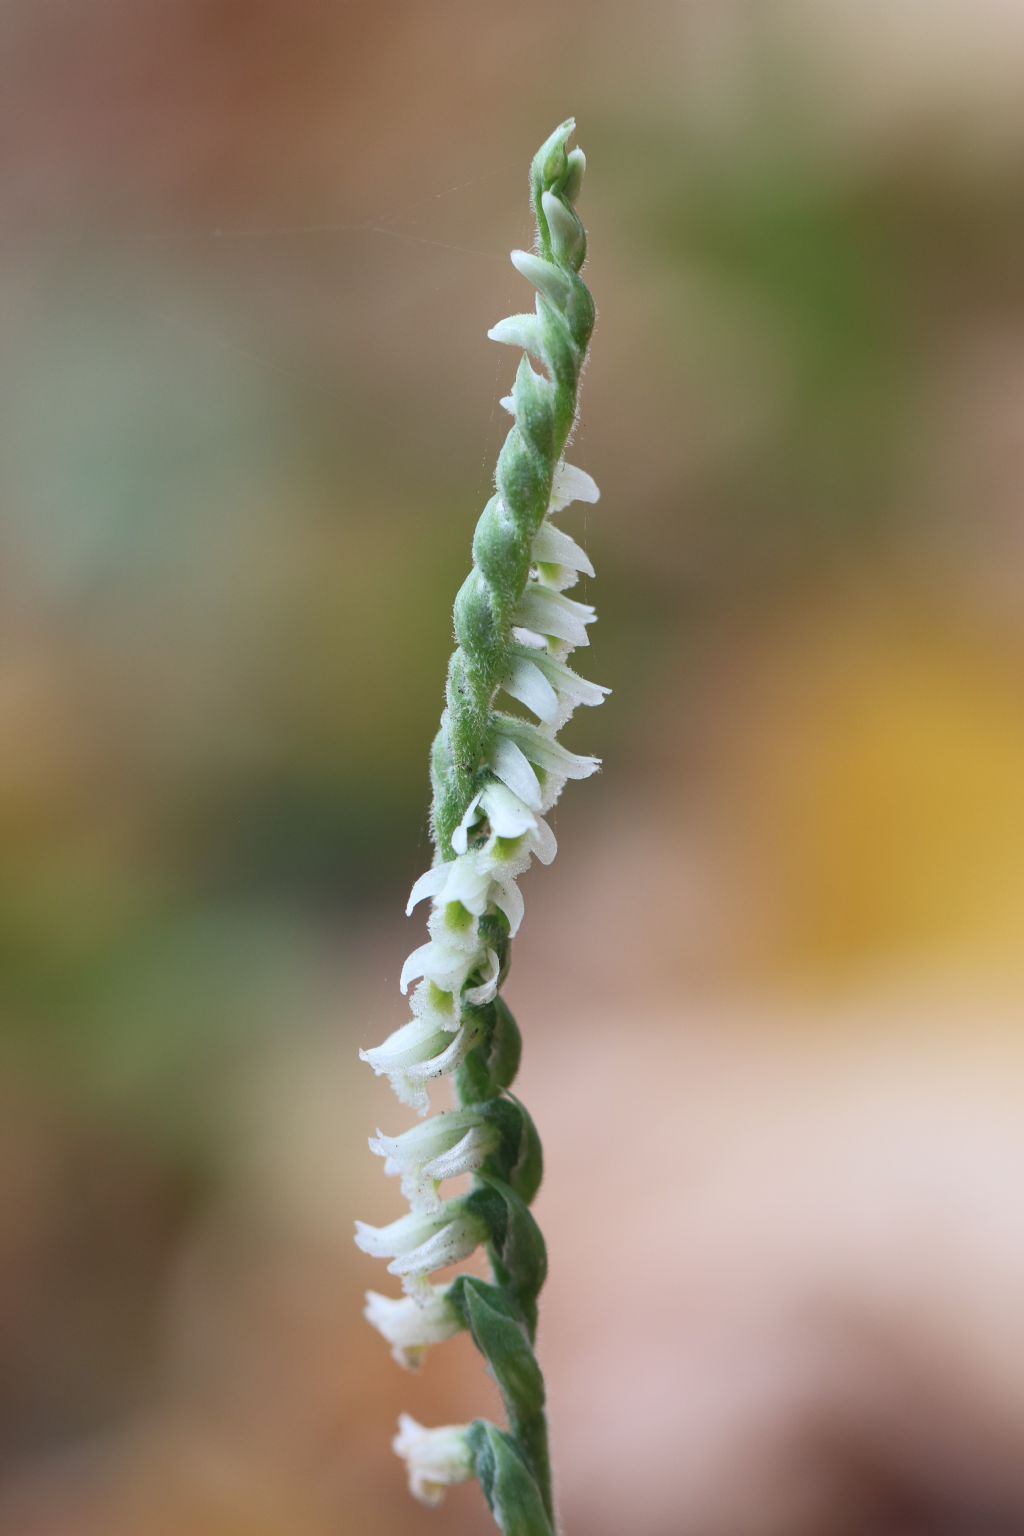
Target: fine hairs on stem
x=495 y=774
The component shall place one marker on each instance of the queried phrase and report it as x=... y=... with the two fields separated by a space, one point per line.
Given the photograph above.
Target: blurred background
x=248 y=256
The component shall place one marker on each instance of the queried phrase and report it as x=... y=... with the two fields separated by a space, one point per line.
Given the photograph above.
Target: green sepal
x=501 y=1337
x=502 y=553
x=522 y=477
x=519 y=1160
x=532 y=395
x=581 y=313
x=518 y=1255
x=508 y=1484
x=478 y=631
x=492 y=1065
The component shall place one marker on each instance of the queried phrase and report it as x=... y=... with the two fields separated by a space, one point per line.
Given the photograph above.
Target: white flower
x=469 y=878
x=442 y=1148
x=506 y=812
x=421 y=1242
x=551 y=613
x=529 y=637
x=411 y=1324
x=548 y=687
x=571 y=484
x=435 y=1458
x=521 y=744
x=515 y=834
x=509 y=857
x=553 y=547
x=559 y=559
x=440 y=962
x=511 y=765
x=458 y=879
x=417 y=1052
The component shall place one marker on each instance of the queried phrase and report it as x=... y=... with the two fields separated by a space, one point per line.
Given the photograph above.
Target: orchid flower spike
x=497 y=769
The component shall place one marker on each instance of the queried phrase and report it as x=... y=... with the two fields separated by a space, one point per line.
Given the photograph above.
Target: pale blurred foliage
x=247 y=259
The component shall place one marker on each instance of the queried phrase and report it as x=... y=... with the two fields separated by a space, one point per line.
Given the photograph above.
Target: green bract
x=495 y=774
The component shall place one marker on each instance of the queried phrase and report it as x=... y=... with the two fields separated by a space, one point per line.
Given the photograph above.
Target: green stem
x=503 y=1316
x=545 y=408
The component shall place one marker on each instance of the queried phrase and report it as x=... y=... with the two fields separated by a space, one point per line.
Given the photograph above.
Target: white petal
x=568 y=683
x=421 y=1143
x=554 y=783
x=549 y=754
x=508 y=898
x=417 y=1053
x=544 y=844
x=415 y=966
x=527 y=683
x=486 y=989
x=445 y=1061
x=572 y=484
x=507 y=814
x=441 y=1148
x=544 y=275
x=466 y=1156
x=529 y=638
x=407 y=1235
x=512 y=768
x=460 y=837
x=413 y=1042
x=508 y=404
x=427 y=885
x=456 y=1239
x=549 y=613
x=446 y=967
x=467 y=884
x=519 y=331
x=555 y=547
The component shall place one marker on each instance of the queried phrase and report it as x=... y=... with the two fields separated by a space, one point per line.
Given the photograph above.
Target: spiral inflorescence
x=495 y=773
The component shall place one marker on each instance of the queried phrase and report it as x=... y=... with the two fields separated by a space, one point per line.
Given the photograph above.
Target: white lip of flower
x=435 y=1458
x=421 y=1242
x=442 y=1148
x=417 y=1052
x=434 y=1007
x=411 y=1324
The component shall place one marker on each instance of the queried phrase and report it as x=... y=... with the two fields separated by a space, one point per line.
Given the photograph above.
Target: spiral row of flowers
x=497 y=769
